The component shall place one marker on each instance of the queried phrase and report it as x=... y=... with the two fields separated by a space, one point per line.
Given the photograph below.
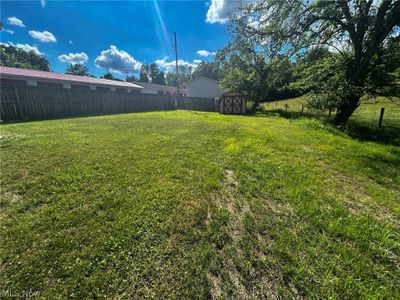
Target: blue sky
x=116 y=35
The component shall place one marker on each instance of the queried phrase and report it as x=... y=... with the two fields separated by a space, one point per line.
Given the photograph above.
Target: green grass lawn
x=362 y=124
x=191 y=205
x=366 y=114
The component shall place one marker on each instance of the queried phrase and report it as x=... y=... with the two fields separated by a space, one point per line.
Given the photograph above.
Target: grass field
x=363 y=123
x=191 y=205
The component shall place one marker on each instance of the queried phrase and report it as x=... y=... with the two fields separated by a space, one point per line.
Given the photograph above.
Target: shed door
x=233 y=104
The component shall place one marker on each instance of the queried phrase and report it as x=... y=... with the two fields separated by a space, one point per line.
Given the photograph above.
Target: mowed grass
x=363 y=124
x=366 y=114
x=190 y=205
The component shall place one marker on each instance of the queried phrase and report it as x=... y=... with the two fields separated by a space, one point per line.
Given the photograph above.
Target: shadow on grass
x=365 y=132
x=386 y=134
x=285 y=114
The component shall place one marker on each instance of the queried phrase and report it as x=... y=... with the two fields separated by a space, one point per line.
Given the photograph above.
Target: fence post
x=286 y=106
x=302 y=109
x=329 y=113
x=381 y=117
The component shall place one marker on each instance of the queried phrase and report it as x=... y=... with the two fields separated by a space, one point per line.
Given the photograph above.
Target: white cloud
x=117 y=61
x=74 y=58
x=25 y=47
x=45 y=36
x=205 y=53
x=15 y=21
x=197 y=61
x=169 y=66
x=43 y=3
x=220 y=10
x=28 y=48
x=8 y=31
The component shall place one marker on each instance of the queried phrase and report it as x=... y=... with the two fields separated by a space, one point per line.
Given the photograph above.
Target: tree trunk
x=346 y=109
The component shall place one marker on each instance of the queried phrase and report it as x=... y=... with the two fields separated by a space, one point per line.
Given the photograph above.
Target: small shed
x=232 y=103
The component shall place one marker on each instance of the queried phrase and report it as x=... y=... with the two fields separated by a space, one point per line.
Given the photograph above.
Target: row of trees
x=319 y=73
x=152 y=73
x=14 y=57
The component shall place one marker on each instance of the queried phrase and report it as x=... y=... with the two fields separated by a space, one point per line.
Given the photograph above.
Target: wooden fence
x=202 y=104
x=34 y=103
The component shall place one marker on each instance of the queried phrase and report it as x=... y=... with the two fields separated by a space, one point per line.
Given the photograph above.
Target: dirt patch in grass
x=230 y=199
x=9 y=198
x=359 y=202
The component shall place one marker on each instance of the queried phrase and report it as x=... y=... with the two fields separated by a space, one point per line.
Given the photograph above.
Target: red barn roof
x=18 y=73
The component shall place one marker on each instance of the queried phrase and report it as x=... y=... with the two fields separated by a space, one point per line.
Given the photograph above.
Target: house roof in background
x=161 y=88
x=19 y=73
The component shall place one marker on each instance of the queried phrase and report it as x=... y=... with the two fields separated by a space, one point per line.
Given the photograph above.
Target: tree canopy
x=11 y=56
x=110 y=76
x=151 y=73
x=185 y=74
x=208 y=69
x=357 y=31
x=143 y=77
x=77 y=69
x=131 y=78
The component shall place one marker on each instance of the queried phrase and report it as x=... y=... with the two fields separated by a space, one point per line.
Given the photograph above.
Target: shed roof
x=43 y=75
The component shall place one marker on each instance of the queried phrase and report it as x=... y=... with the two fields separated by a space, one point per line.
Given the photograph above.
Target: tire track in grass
x=230 y=282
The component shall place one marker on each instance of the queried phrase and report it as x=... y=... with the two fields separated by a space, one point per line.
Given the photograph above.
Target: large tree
x=185 y=74
x=131 y=78
x=249 y=70
x=208 y=69
x=244 y=69
x=11 y=56
x=143 y=75
x=159 y=78
x=153 y=71
x=77 y=69
x=356 y=29
x=110 y=76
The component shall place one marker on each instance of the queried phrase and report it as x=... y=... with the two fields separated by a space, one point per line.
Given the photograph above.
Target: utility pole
x=176 y=62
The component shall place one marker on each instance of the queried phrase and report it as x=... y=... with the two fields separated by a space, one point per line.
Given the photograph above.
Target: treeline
x=14 y=57
x=316 y=71
x=11 y=56
x=337 y=53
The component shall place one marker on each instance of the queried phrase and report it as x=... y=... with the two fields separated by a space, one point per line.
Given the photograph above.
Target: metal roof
x=19 y=73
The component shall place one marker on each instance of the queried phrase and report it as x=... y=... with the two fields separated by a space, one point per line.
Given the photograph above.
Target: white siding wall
x=205 y=88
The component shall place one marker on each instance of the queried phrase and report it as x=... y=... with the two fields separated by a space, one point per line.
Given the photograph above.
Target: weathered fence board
x=202 y=104
x=33 y=103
